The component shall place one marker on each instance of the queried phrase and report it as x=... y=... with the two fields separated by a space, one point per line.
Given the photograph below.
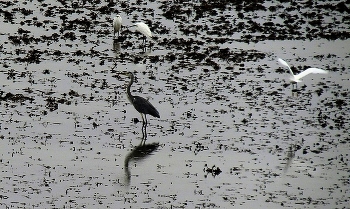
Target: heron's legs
x=144 y=131
x=145 y=126
x=144 y=134
x=144 y=119
x=143 y=140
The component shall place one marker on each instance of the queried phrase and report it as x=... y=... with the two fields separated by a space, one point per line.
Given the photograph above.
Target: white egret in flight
x=296 y=78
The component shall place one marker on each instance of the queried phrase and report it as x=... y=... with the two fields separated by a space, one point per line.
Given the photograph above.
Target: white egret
x=144 y=29
x=296 y=78
x=117 y=24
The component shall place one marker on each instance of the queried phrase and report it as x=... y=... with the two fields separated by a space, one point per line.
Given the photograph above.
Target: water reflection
x=144 y=132
x=142 y=56
x=116 y=48
x=146 y=53
x=144 y=46
x=295 y=91
x=291 y=155
x=138 y=154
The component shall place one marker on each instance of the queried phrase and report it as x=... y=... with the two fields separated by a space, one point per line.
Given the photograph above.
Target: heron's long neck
x=128 y=88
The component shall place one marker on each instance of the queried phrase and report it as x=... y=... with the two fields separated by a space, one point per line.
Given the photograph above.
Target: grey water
x=69 y=137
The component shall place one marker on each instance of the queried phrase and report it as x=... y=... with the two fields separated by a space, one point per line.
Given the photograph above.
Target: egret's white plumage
x=117 y=24
x=144 y=29
x=296 y=78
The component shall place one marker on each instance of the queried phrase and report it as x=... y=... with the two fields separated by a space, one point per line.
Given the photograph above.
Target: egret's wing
x=114 y=23
x=144 y=29
x=284 y=63
x=310 y=70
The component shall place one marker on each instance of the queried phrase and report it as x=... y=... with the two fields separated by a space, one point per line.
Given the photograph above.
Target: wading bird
x=296 y=78
x=117 y=24
x=144 y=29
x=142 y=105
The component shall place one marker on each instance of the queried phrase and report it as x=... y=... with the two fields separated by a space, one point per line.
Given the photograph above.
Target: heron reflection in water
x=142 y=105
x=138 y=154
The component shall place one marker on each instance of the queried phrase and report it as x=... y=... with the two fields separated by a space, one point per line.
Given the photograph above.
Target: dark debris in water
x=213 y=170
x=222 y=102
x=15 y=97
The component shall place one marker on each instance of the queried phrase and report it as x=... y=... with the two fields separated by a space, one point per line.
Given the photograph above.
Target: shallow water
x=233 y=131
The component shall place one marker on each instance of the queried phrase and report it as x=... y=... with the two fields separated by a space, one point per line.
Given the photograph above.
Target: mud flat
x=233 y=130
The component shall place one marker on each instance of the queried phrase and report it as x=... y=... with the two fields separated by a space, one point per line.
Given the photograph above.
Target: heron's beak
x=117 y=76
x=118 y=73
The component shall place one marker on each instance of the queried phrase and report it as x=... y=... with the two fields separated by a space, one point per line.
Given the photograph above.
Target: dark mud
x=233 y=130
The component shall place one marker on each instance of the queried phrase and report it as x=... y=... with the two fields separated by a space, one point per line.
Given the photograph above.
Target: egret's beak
x=130 y=26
